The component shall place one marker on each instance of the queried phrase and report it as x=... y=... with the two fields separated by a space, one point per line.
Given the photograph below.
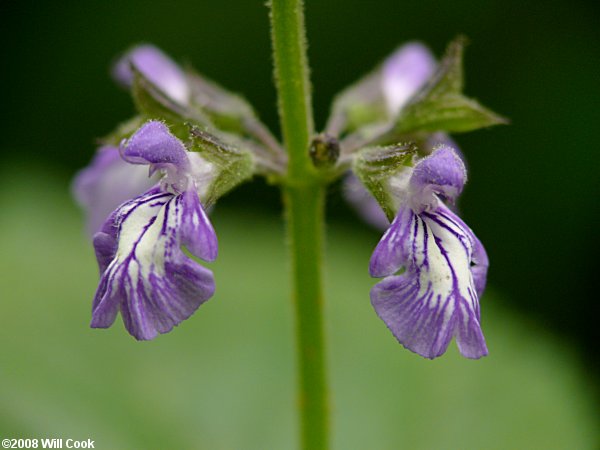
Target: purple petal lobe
x=105 y=243
x=442 y=173
x=436 y=297
x=394 y=247
x=480 y=267
x=150 y=280
x=197 y=233
x=154 y=144
x=106 y=183
x=404 y=73
x=156 y=67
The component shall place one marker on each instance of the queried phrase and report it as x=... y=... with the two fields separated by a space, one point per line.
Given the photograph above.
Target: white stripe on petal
x=154 y=283
x=435 y=298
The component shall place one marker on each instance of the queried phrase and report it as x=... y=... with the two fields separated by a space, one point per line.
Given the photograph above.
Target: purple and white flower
x=435 y=268
x=145 y=273
x=403 y=74
x=365 y=204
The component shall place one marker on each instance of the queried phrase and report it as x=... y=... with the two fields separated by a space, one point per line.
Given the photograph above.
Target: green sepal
x=376 y=166
x=441 y=106
x=153 y=103
x=232 y=165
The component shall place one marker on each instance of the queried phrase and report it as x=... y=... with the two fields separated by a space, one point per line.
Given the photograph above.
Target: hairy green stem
x=304 y=208
x=304 y=203
x=293 y=86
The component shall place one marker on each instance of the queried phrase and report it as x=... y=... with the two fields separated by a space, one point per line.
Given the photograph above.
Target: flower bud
x=324 y=151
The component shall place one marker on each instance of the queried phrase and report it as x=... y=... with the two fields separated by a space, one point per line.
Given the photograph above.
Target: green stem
x=304 y=209
x=304 y=203
x=293 y=86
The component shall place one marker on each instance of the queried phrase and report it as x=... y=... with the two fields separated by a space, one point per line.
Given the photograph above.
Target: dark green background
x=533 y=195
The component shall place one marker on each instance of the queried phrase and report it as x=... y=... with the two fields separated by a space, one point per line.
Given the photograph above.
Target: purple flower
x=404 y=73
x=436 y=296
x=106 y=183
x=157 y=67
x=365 y=204
x=144 y=272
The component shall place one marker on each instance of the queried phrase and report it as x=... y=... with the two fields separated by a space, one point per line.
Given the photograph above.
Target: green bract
x=441 y=106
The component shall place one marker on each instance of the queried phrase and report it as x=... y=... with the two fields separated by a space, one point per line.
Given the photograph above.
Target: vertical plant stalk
x=304 y=203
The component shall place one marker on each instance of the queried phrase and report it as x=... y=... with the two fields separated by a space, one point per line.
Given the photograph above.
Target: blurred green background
x=225 y=379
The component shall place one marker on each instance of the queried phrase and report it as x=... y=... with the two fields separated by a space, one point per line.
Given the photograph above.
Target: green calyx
x=377 y=166
x=232 y=165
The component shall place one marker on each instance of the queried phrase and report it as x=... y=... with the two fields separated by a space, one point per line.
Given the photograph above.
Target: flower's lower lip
x=145 y=273
x=436 y=297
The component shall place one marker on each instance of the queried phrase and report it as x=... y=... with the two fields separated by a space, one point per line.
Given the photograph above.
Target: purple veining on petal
x=393 y=248
x=106 y=183
x=442 y=173
x=363 y=202
x=479 y=258
x=150 y=279
x=197 y=233
x=154 y=144
x=404 y=73
x=157 y=67
x=436 y=297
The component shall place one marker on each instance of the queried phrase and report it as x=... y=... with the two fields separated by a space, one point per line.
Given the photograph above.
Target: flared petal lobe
x=106 y=183
x=156 y=67
x=150 y=280
x=435 y=267
x=435 y=298
x=393 y=249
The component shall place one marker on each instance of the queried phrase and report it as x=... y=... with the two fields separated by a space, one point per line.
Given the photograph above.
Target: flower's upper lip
x=154 y=144
x=442 y=173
